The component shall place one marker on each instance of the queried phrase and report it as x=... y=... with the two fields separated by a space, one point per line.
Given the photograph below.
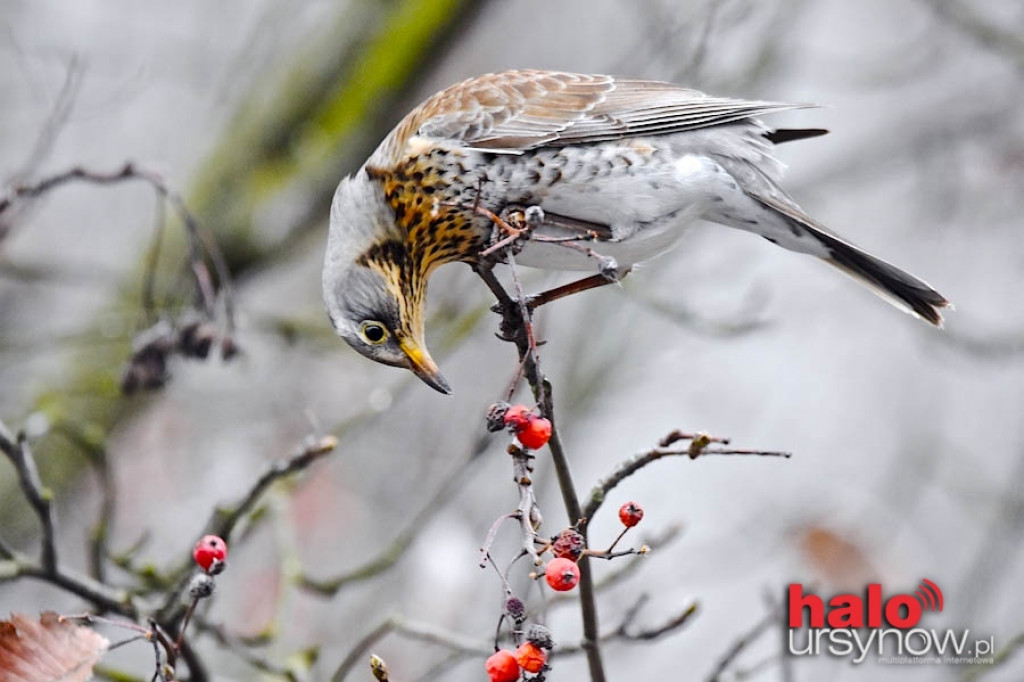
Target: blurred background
x=908 y=442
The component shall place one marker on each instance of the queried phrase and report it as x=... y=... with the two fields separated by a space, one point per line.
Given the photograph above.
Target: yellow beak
x=423 y=366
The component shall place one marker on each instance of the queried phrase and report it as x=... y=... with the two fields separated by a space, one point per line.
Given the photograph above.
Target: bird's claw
x=609 y=268
x=522 y=218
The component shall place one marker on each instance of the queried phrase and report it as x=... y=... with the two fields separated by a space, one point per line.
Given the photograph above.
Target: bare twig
x=742 y=642
x=18 y=452
x=625 y=632
x=241 y=648
x=527 y=511
x=96 y=453
x=698 y=448
x=394 y=551
x=152 y=259
x=422 y=632
x=198 y=238
x=101 y=596
x=627 y=569
x=515 y=322
x=48 y=134
x=223 y=521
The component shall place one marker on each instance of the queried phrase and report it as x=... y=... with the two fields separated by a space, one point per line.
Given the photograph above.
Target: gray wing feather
x=524 y=110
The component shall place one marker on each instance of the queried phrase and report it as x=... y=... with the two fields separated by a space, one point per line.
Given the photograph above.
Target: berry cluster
x=532 y=430
x=210 y=553
x=529 y=657
x=562 y=572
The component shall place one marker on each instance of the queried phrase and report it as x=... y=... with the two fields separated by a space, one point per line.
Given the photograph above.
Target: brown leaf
x=836 y=556
x=48 y=650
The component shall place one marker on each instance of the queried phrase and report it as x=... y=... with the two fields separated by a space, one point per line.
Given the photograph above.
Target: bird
x=616 y=167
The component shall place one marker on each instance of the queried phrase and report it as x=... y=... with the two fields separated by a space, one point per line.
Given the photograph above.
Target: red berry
x=630 y=514
x=502 y=667
x=562 y=574
x=210 y=553
x=535 y=433
x=530 y=657
x=517 y=416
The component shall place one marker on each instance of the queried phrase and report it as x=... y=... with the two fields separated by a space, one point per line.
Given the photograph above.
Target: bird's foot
x=511 y=228
x=608 y=267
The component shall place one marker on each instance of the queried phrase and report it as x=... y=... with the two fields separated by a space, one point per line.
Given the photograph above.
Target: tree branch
x=515 y=327
x=198 y=239
x=698 y=448
x=18 y=452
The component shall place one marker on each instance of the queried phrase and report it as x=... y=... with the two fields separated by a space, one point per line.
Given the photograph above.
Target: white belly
x=647 y=209
x=646 y=241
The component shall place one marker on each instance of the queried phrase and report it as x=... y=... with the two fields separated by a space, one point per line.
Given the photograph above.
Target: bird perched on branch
x=580 y=172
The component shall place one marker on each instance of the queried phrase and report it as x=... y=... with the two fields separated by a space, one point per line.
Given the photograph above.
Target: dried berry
x=496 y=416
x=540 y=635
x=568 y=545
x=210 y=553
x=535 y=433
x=502 y=667
x=630 y=514
x=201 y=586
x=530 y=657
x=515 y=609
x=562 y=574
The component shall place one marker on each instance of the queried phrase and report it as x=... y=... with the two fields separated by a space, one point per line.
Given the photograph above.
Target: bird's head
x=374 y=292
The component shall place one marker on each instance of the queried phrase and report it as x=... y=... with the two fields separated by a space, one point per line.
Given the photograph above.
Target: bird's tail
x=898 y=287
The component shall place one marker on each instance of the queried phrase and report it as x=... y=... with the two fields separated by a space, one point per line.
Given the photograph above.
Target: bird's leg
x=515 y=223
x=594 y=281
x=511 y=323
x=529 y=360
x=516 y=319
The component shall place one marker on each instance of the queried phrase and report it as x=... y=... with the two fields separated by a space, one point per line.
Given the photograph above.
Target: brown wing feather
x=516 y=111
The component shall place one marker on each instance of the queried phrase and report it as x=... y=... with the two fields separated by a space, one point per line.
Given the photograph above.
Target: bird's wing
x=517 y=111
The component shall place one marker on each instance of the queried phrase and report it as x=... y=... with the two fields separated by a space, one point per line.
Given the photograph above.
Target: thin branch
x=394 y=551
x=463 y=646
x=527 y=510
x=224 y=520
x=422 y=632
x=741 y=643
x=198 y=238
x=671 y=625
x=99 y=595
x=624 y=631
x=96 y=453
x=48 y=134
x=20 y=455
x=242 y=649
x=152 y=259
x=628 y=568
x=699 y=447
x=515 y=327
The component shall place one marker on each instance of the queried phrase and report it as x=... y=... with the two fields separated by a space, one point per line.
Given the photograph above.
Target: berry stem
x=542 y=393
x=616 y=541
x=184 y=623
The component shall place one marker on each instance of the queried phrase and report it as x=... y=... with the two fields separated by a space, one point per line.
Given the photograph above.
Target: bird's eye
x=373 y=333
